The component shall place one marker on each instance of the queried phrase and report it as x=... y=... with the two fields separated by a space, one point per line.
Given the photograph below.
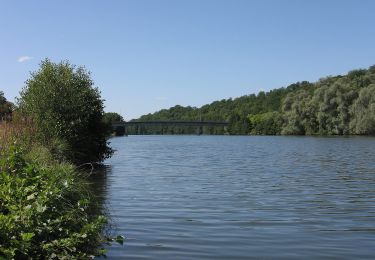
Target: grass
x=18 y=130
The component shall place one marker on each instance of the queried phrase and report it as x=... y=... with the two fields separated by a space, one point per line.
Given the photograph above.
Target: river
x=241 y=197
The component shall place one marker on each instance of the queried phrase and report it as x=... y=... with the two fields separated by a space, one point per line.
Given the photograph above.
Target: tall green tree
x=363 y=112
x=65 y=105
x=298 y=111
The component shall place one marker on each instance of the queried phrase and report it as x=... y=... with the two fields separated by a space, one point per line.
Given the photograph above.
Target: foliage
x=297 y=113
x=64 y=105
x=6 y=107
x=363 y=112
x=266 y=123
x=112 y=117
x=235 y=111
x=44 y=209
x=338 y=105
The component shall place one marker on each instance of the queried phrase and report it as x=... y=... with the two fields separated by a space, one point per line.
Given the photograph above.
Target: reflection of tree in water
x=98 y=189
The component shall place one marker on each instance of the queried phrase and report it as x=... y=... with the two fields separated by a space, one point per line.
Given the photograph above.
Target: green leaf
x=31 y=197
x=27 y=236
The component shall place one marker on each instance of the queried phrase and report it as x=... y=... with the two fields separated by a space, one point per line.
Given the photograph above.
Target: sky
x=146 y=55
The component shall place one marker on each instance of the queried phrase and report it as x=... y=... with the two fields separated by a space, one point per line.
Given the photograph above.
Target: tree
x=299 y=118
x=6 y=107
x=112 y=117
x=323 y=108
x=64 y=105
x=266 y=123
x=363 y=112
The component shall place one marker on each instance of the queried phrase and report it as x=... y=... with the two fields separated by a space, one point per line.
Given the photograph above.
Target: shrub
x=64 y=105
x=44 y=209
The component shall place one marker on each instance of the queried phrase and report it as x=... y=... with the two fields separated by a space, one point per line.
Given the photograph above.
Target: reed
x=18 y=129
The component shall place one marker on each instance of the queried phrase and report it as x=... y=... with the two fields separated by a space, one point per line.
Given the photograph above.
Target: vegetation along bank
x=334 y=105
x=56 y=129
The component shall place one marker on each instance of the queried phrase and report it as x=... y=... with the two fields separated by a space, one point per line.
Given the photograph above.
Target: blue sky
x=145 y=55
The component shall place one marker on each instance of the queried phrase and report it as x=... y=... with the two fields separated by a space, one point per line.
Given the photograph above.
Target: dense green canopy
x=112 y=117
x=64 y=105
x=338 y=105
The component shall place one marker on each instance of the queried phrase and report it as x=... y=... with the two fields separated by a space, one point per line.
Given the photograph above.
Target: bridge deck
x=185 y=123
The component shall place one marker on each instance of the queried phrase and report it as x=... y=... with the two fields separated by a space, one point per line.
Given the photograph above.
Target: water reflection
x=97 y=180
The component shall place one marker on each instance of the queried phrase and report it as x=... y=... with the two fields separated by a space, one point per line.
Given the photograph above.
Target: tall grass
x=19 y=129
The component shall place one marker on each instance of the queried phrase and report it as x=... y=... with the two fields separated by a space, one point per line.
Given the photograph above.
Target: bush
x=64 y=105
x=44 y=209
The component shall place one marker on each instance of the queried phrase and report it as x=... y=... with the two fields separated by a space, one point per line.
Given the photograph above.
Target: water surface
x=227 y=197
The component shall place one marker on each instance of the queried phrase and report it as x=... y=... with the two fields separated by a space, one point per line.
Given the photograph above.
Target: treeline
x=335 y=105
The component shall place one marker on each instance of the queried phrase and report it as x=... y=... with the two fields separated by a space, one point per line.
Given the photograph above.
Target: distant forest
x=334 y=105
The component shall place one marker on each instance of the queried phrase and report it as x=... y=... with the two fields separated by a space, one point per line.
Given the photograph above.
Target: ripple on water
x=205 y=197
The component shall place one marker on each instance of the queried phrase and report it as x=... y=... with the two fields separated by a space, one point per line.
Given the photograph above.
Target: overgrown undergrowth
x=45 y=204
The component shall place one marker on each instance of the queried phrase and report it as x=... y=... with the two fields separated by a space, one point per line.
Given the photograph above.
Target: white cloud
x=24 y=58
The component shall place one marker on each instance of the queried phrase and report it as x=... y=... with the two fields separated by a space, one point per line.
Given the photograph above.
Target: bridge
x=122 y=126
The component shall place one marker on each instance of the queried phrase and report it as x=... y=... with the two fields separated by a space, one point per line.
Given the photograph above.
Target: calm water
x=211 y=197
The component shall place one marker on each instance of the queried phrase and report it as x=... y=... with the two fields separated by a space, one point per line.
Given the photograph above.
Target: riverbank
x=45 y=205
